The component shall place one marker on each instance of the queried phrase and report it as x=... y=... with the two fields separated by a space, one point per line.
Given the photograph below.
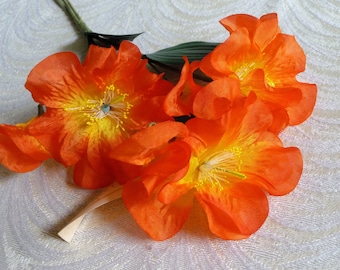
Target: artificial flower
x=265 y=61
x=179 y=100
x=209 y=101
x=94 y=106
x=20 y=151
x=228 y=165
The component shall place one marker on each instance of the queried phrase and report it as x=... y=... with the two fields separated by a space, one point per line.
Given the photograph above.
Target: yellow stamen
x=244 y=70
x=215 y=170
x=112 y=105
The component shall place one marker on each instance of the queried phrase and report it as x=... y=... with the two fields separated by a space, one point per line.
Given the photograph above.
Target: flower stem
x=74 y=16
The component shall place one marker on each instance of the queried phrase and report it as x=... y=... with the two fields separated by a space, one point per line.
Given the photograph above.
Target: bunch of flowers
x=168 y=144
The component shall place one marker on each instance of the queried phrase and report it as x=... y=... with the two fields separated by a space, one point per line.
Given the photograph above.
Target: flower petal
x=233 y=22
x=235 y=49
x=274 y=168
x=284 y=60
x=160 y=221
x=140 y=148
x=236 y=212
x=300 y=111
x=164 y=167
x=216 y=98
x=58 y=79
x=19 y=151
x=64 y=137
x=266 y=30
x=179 y=100
x=86 y=177
x=247 y=122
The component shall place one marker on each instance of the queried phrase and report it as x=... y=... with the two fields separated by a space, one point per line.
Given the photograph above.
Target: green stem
x=74 y=16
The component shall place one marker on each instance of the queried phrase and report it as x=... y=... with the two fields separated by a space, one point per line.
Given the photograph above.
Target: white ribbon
x=108 y=195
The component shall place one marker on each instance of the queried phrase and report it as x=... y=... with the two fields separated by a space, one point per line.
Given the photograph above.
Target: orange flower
x=94 y=106
x=210 y=101
x=179 y=100
x=264 y=61
x=226 y=164
x=19 y=151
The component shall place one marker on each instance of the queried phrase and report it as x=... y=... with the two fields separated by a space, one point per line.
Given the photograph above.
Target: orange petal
x=216 y=98
x=262 y=30
x=236 y=212
x=284 y=60
x=247 y=122
x=274 y=168
x=233 y=22
x=99 y=58
x=13 y=158
x=62 y=136
x=179 y=100
x=86 y=177
x=209 y=132
x=280 y=118
x=266 y=30
x=171 y=192
x=300 y=111
x=140 y=148
x=148 y=110
x=19 y=151
x=163 y=166
x=160 y=221
x=59 y=78
x=283 y=96
x=122 y=172
x=219 y=62
x=129 y=51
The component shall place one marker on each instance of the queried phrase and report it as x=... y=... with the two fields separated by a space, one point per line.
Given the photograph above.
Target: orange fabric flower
x=179 y=100
x=210 y=101
x=94 y=106
x=226 y=164
x=264 y=61
x=19 y=151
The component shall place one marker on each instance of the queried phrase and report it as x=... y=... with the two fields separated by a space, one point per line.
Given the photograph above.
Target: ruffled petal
x=179 y=100
x=219 y=63
x=274 y=168
x=208 y=132
x=301 y=110
x=99 y=58
x=266 y=30
x=140 y=148
x=65 y=138
x=59 y=81
x=284 y=60
x=19 y=151
x=160 y=221
x=216 y=98
x=164 y=167
x=236 y=212
x=234 y=22
x=246 y=123
x=148 y=111
x=86 y=177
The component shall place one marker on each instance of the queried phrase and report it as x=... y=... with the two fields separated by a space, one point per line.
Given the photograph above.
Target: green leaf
x=104 y=40
x=194 y=50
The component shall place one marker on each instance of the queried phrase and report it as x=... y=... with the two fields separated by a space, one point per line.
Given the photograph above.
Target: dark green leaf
x=107 y=41
x=194 y=50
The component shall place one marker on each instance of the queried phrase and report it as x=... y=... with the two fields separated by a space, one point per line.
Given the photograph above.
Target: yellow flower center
x=113 y=105
x=243 y=70
x=214 y=171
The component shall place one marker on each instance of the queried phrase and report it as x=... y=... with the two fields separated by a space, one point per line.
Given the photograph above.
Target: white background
x=303 y=228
